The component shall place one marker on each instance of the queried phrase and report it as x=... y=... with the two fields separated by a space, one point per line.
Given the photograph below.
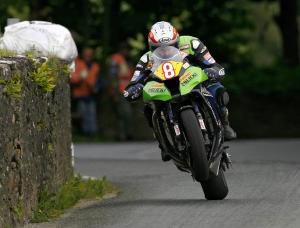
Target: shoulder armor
x=144 y=58
x=195 y=44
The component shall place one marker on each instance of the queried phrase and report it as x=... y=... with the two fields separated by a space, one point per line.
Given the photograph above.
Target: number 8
x=168 y=70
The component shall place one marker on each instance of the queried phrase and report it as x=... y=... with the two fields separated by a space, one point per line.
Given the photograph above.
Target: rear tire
x=215 y=188
x=197 y=150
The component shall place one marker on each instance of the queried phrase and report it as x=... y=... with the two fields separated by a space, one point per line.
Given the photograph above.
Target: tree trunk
x=288 y=25
x=110 y=37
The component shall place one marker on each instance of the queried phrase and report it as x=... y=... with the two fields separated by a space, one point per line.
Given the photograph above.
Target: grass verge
x=53 y=205
x=7 y=53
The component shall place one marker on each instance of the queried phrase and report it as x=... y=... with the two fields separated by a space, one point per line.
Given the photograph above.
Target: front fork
x=176 y=129
x=178 y=136
x=201 y=122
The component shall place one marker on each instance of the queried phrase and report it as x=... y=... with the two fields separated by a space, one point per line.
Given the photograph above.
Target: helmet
x=162 y=34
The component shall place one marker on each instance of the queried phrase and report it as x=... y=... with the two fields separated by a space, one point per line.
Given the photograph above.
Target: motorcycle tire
x=199 y=163
x=215 y=188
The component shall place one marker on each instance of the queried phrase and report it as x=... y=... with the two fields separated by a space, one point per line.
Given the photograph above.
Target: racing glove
x=133 y=92
x=213 y=74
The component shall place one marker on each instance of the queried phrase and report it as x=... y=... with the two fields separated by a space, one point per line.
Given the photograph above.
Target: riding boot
x=229 y=133
x=164 y=156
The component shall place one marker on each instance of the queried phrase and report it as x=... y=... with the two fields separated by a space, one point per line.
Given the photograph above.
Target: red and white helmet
x=162 y=34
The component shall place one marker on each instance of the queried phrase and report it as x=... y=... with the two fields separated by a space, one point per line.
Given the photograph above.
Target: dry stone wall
x=35 y=138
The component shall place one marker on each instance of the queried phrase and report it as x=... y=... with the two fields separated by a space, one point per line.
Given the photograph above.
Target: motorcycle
x=186 y=120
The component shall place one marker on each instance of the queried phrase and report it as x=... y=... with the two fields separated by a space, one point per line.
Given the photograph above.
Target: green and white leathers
x=184 y=122
x=167 y=64
x=180 y=110
x=192 y=46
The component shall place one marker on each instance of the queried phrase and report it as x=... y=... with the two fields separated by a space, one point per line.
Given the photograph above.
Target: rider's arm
x=134 y=88
x=140 y=69
x=203 y=57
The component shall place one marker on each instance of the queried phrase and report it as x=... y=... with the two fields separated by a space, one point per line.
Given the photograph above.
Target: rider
x=164 y=34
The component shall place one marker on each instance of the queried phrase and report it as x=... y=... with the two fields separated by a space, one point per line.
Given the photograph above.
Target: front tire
x=194 y=137
x=215 y=188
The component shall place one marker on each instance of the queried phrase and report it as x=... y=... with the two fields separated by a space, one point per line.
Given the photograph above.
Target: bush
x=280 y=80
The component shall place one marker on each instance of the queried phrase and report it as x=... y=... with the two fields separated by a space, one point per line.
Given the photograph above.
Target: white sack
x=43 y=37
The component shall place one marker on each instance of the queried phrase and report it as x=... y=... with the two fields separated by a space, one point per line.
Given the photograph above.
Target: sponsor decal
x=184 y=47
x=222 y=72
x=176 y=129
x=208 y=59
x=211 y=60
x=205 y=92
x=164 y=40
x=190 y=78
x=157 y=90
x=207 y=56
x=185 y=76
x=202 y=125
x=186 y=65
x=157 y=86
x=125 y=94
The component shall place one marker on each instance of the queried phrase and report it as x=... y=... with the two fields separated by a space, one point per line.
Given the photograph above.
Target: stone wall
x=35 y=139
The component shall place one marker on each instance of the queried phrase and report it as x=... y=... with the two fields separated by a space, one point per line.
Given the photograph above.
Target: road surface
x=264 y=187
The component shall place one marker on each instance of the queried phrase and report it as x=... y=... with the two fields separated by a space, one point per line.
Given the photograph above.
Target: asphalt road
x=264 y=187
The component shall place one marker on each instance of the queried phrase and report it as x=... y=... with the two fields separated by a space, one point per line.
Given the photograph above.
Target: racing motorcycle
x=186 y=120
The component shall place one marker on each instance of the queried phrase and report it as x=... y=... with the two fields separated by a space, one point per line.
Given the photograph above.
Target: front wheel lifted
x=195 y=139
x=215 y=188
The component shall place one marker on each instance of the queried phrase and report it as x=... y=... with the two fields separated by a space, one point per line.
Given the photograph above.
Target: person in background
x=83 y=82
x=120 y=72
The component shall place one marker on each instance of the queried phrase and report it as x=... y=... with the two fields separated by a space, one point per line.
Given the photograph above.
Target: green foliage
x=46 y=76
x=50 y=147
x=31 y=54
x=264 y=81
x=243 y=36
x=47 y=73
x=7 y=53
x=53 y=205
x=13 y=87
x=19 y=209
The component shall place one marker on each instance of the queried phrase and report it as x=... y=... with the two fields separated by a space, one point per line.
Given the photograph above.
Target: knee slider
x=223 y=97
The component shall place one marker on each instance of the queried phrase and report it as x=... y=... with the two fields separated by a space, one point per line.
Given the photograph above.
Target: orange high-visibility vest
x=125 y=71
x=84 y=87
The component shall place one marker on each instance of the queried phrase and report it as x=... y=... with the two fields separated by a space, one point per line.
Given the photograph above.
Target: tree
x=287 y=22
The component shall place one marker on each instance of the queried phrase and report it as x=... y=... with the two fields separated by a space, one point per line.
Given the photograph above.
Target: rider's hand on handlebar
x=213 y=75
x=133 y=92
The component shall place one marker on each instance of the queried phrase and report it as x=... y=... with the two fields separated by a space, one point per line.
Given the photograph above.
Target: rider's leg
x=222 y=97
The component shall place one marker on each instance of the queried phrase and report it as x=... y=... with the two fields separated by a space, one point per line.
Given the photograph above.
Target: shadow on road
x=169 y=202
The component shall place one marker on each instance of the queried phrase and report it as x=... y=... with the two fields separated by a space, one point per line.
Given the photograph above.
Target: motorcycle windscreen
x=192 y=77
x=156 y=91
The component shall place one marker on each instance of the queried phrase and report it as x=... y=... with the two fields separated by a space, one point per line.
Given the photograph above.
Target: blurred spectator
x=120 y=72
x=83 y=82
